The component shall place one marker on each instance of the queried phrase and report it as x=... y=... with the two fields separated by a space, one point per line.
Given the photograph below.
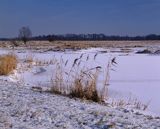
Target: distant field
x=79 y=44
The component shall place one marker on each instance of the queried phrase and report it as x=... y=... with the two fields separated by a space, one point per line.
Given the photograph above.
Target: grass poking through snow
x=79 y=81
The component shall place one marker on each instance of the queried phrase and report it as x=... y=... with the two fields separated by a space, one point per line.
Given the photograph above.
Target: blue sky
x=111 y=17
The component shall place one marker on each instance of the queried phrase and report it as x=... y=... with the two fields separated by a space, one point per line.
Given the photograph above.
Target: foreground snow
x=23 y=108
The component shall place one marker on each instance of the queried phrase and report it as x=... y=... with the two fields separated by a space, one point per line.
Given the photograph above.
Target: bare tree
x=25 y=34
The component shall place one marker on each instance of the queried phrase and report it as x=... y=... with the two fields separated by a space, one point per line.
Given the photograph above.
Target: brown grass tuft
x=85 y=87
x=7 y=63
x=78 y=90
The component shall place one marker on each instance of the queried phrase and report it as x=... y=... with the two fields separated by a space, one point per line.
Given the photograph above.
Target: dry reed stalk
x=80 y=81
x=95 y=56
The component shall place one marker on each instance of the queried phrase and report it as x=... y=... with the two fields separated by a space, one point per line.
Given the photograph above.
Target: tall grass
x=57 y=80
x=85 y=86
x=80 y=81
x=8 y=63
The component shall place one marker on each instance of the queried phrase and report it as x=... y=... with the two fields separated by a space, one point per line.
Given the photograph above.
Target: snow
x=135 y=76
x=23 y=108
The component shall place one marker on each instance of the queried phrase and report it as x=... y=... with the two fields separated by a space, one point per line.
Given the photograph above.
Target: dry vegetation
x=29 y=58
x=79 y=82
x=7 y=63
x=85 y=86
x=130 y=102
x=61 y=45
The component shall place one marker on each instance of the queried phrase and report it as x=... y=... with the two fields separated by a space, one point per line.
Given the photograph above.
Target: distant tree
x=25 y=34
x=151 y=37
x=50 y=38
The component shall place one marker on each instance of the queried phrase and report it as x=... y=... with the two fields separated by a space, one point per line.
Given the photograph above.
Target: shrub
x=7 y=63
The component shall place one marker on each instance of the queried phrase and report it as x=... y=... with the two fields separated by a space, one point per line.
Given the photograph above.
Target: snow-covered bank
x=21 y=107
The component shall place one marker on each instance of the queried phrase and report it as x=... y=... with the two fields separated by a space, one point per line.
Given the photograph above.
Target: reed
x=80 y=82
x=8 y=63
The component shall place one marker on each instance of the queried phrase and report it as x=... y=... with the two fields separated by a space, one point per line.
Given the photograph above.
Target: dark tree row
x=96 y=37
x=25 y=34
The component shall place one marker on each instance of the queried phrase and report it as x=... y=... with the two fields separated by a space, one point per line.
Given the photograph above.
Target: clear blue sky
x=111 y=17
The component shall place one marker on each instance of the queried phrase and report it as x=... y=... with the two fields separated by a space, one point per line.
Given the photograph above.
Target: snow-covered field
x=135 y=77
x=22 y=108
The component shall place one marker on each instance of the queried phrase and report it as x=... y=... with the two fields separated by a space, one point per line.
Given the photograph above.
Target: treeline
x=95 y=37
x=90 y=37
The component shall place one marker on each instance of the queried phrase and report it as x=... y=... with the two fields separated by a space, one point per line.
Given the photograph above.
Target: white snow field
x=23 y=108
x=135 y=77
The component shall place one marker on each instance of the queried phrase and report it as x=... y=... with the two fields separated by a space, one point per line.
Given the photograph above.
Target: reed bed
x=79 y=80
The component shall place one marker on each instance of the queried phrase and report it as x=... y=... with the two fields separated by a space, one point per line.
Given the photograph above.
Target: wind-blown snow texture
x=23 y=108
